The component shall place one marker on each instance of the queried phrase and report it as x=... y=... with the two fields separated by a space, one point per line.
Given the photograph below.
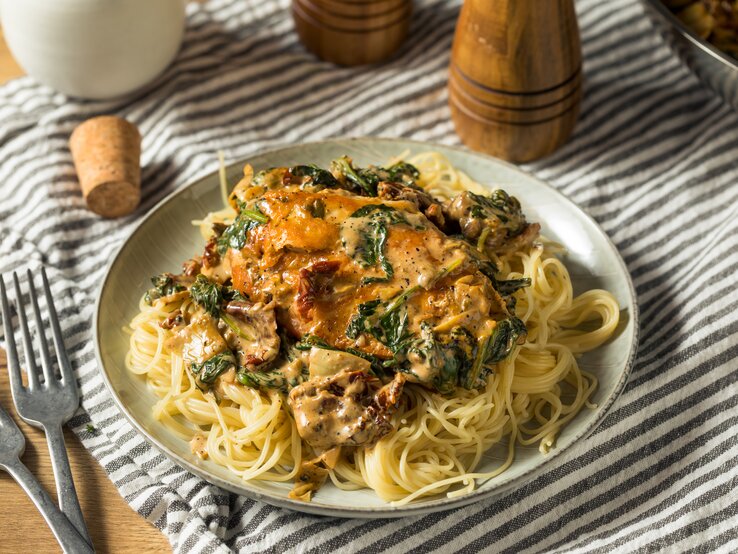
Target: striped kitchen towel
x=654 y=160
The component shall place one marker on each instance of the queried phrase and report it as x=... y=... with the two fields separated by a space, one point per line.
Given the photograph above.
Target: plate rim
x=388 y=510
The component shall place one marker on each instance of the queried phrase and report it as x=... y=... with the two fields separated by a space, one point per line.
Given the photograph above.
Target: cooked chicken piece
x=325 y=363
x=198 y=445
x=497 y=218
x=350 y=408
x=422 y=200
x=200 y=340
x=310 y=478
x=313 y=474
x=255 y=339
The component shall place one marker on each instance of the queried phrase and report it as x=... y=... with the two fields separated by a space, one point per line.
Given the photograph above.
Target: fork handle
x=65 y=533
x=67 y=494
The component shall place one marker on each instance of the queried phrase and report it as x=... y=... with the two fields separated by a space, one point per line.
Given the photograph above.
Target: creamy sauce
x=412 y=256
x=223 y=381
x=351 y=234
x=422 y=371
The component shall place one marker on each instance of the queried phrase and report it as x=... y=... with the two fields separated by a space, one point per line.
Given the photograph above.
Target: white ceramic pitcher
x=93 y=48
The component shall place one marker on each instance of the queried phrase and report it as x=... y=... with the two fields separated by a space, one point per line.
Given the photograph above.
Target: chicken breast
x=365 y=272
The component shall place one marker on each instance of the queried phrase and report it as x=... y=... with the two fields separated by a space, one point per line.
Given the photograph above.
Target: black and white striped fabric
x=654 y=159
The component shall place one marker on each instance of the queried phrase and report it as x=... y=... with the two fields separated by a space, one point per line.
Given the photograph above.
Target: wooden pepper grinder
x=515 y=79
x=352 y=32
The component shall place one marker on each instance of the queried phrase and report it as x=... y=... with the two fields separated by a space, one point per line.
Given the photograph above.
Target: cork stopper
x=107 y=152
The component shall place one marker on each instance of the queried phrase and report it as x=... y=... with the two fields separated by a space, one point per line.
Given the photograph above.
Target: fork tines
x=49 y=376
x=50 y=403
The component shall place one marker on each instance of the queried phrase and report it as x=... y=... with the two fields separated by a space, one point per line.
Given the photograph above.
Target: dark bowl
x=715 y=68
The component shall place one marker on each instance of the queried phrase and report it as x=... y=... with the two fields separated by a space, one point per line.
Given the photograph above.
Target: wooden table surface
x=113 y=525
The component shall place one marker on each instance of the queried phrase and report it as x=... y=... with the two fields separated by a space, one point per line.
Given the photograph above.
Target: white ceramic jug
x=93 y=48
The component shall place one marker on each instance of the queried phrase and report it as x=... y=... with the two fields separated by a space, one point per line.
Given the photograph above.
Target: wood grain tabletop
x=113 y=525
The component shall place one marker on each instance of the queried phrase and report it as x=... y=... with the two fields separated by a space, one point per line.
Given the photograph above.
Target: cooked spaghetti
x=379 y=327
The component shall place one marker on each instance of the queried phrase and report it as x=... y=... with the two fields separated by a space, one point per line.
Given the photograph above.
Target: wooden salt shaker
x=515 y=79
x=352 y=32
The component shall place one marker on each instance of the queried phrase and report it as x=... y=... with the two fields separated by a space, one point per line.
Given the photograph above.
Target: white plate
x=165 y=238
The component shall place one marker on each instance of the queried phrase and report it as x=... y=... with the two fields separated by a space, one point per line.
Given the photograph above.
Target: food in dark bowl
x=715 y=21
x=697 y=30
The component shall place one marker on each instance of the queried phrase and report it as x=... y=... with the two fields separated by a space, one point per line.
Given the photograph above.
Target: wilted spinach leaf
x=447 y=359
x=207 y=294
x=496 y=347
x=318 y=175
x=364 y=182
x=234 y=236
x=164 y=285
x=209 y=370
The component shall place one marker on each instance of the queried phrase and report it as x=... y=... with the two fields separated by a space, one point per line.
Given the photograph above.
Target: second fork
x=48 y=404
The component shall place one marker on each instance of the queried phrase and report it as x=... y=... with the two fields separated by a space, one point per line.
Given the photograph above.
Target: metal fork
x=12 y=445
x=50 y=403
